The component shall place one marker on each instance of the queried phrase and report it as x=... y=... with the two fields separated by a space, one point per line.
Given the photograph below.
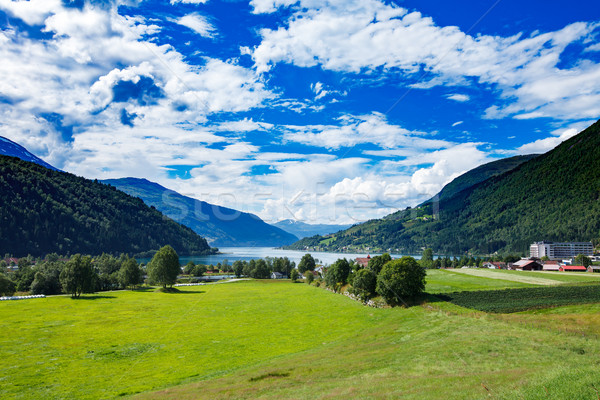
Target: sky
x=331 y=111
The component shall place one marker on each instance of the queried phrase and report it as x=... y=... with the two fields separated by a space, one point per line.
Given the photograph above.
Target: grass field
x=275 y=339
x=446 y=281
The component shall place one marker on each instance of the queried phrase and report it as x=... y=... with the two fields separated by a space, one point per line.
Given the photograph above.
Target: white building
x=555 y=250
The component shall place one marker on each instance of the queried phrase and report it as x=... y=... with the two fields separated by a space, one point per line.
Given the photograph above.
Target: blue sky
x=325 y=111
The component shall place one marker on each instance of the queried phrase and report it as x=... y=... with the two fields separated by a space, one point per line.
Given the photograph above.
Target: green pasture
x=446 y=281
x=275 y=339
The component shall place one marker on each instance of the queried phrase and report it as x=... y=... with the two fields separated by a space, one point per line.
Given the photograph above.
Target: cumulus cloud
x=557 y=137
x=353 y=130
x=99 y=71
x=366 y=35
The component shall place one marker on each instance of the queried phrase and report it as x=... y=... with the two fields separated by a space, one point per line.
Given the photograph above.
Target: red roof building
x=363 y=262
x=573 y=268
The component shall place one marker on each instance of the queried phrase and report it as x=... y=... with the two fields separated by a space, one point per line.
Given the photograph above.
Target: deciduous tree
x=164 y=267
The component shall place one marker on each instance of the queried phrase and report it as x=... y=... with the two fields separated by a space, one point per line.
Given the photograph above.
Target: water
x=232 y=254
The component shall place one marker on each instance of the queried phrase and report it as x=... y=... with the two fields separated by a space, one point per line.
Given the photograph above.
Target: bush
x=399 y=279
x=337 y=274
x=294 y=275
x=7 y=287
x=309 y=277
x=364 y=284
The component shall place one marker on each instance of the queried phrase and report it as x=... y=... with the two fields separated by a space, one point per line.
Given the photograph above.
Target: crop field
x=275 y=339
x=513 y=300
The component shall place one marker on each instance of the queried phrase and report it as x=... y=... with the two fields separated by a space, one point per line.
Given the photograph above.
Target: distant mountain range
x=12 y=149
x=44 y=211
x=554 y=196
x=302 y=229
x=221 y=226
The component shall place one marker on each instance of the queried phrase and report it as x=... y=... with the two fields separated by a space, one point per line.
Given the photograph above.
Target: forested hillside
x=551 y=197
x=480 y=174
x=44 y=211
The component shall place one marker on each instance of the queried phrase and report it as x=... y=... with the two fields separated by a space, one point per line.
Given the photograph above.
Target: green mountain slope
x=480 y=174
x=551 y=197
x=44 y=211
x=221 y=226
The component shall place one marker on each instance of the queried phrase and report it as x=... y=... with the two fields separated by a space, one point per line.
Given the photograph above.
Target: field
x=275 y=339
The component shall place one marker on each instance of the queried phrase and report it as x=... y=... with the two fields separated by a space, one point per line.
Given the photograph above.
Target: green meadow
x=275 y=339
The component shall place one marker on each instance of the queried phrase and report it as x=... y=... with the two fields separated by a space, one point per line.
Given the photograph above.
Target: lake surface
x=232 y=254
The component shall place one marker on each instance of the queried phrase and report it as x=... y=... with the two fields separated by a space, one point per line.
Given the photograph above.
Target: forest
x=44 y=211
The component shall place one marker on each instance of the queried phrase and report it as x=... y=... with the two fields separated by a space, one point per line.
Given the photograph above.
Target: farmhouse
x=573 y=268
x=494 y=265
x=363 y=262
x=594 y=268
x=278 y=275
x=527 y=265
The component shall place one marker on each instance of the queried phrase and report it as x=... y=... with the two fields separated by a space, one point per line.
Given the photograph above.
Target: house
x=573 y=268
x=593 y=268
x=551 y=266
x=363 y=262
x=527 y=265
x=278 y=275
x=494 y=265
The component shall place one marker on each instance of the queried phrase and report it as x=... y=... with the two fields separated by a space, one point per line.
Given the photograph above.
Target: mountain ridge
x=221 y=226
x=12 y=149
x=553 y=196
x=45 y=211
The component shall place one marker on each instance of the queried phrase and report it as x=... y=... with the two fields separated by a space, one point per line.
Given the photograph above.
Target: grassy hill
x=44 y=211
x=553 y=197
x=221 y=226
x=278 y=340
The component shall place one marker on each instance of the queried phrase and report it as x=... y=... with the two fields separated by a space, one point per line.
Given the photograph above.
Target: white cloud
x=199 y=24
x=367 y=35
x=353 y=130
x=457 y=123
x=189 y=1
x=557 y=137
x=458 y=97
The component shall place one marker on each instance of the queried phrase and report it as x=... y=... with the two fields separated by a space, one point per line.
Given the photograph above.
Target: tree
x=337 y=274
x=545 y=258
x=307 y=263
x=189 y=268
x=130 y=273
x=377 y=262
x=584 y=260
x=364 y=284
x=403 y=278
x=7 y=287
x=238 y=268
x=261 y=270
x=294 y=275
x=310 y=277
x=164 y=267
x=78 y=275
x=200 y=270
x=427 y=259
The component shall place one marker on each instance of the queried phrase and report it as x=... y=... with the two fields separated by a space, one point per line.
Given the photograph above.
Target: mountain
x=220 y=225
x=554 y=196
x=302 y=230
x=12 y=149
x=44 y=211
x=480 y=174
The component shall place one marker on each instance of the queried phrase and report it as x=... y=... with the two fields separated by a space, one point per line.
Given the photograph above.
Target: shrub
x=364 y=284
x=403 y=278
x=309 y=277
